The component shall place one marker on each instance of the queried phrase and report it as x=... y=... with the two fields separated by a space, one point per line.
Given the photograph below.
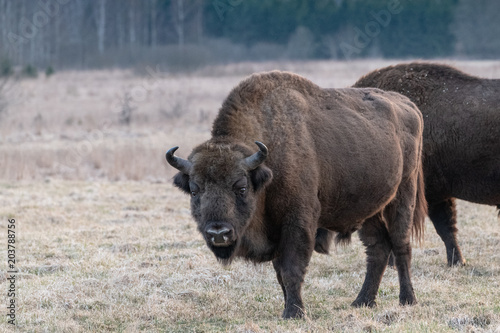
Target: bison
x=461 y=138
x=338 y=159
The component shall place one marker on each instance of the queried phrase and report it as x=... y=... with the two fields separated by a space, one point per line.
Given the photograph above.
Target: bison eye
x=194 y=189
x=242 y=190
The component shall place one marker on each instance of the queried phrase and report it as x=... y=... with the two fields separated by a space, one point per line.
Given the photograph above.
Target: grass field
x=104 y=243
x=126 y=256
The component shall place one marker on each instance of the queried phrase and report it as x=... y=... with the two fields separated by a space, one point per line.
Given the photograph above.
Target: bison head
x=224 y=181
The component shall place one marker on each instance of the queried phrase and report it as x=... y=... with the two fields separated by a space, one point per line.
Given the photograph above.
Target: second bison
x=338 y=159
x=461 y=138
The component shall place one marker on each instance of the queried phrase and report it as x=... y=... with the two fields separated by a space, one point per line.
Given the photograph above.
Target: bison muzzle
x=336 y=159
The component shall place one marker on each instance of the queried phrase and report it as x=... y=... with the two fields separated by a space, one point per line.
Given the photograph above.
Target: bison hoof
x=411 y=300
x=323 y=241
x=320 y=248
x=454 y=256
x=456 y=262
x=360 y=303
x=293 y=313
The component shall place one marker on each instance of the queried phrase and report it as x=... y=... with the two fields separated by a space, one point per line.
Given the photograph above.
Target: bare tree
x=120 y=27
x=131 y=22
x=101 y=26
x=71 y=33
x=3 y=26
x=179 y=17
x=187 y=14
x=153 y=19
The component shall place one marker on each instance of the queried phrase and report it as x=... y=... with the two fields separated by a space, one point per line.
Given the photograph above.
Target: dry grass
x=126 y=257
x=106 y=244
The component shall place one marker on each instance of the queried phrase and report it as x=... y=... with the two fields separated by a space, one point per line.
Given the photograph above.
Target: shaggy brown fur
x=339 y=159
x=461 y=138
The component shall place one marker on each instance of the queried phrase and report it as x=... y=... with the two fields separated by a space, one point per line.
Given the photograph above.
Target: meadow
x=105 y=243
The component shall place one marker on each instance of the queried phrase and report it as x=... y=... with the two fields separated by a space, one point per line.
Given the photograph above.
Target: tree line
x=100 y=33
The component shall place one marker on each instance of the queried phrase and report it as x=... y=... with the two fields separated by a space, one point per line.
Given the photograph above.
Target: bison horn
x=256 y=159
x=180 y=164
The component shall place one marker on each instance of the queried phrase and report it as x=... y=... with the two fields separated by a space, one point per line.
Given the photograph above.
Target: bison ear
x=181 y=180
x=261 y=176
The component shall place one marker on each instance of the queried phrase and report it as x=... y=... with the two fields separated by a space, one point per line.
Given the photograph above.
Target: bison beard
x=223 y=254
x=338 y=160
x=461 y=138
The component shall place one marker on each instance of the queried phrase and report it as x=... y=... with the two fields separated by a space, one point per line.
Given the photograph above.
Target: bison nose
x=219 y=236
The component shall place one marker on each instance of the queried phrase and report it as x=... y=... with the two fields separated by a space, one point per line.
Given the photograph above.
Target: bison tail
x=420 y=208
x=343 y=239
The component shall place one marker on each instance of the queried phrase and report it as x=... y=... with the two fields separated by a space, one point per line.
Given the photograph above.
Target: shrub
x=30 y=71
x=49 y=71
x=6 y=68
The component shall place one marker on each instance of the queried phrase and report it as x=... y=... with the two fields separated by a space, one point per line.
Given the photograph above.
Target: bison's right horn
x=256 y=159
x=180 y=164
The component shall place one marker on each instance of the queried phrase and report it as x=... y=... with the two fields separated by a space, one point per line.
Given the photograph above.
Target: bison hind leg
x=444 y=217
x=323 y=240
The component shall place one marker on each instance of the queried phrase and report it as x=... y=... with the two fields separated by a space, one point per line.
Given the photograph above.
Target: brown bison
x=339 y=159
x=461 y=138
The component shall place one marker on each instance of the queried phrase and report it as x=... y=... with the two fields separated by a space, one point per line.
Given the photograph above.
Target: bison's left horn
x=256 y=159
x=180 y=164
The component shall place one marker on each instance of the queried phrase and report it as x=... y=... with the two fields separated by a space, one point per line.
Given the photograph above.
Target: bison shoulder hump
x=259 y=84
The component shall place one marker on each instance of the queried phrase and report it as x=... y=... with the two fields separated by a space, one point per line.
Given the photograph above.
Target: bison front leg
x=375 y=237
x=291 y=266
